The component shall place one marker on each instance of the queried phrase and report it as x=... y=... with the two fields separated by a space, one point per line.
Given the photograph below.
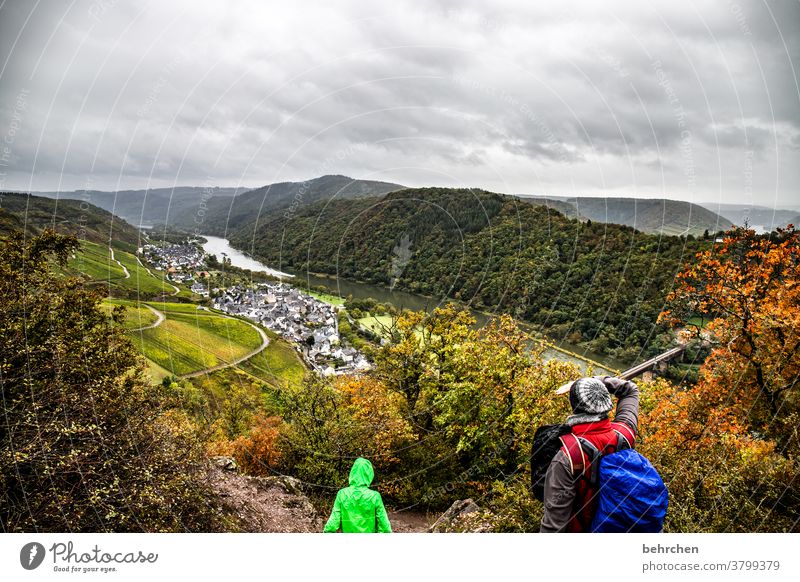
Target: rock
x=289 y=484
x=225 y=463
x=448 y=521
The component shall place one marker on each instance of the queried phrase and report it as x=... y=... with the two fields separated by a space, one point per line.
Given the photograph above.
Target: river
x=221 y=247
x=400 y=299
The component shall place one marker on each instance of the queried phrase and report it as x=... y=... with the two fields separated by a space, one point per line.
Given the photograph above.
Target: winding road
x=247 y=356
x=149 y=272
x=159 y=319
x=124 y=268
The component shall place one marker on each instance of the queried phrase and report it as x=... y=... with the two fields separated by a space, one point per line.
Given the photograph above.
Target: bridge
x=660 y=361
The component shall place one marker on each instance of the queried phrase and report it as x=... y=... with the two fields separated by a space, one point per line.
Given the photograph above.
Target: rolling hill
x=149 y=207
x=87 y=222
x=226 y=215
x=222 y=211
x=761 y=217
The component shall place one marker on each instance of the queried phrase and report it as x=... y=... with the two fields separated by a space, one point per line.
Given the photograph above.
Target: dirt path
x=407 y=521
x=277 y=504
x=159 y=319
x=259 y=349
x=124 y=268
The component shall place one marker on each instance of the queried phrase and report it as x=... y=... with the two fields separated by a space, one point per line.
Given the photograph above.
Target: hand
x=565 y=388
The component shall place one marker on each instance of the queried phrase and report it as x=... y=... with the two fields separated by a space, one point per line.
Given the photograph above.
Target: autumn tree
x=417 y=358
x=749 y=289
x=499 y=391
x=728 y=446
x=85 y=443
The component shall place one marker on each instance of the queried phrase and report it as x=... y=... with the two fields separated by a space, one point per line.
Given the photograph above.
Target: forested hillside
x=595 y=284
x=85 y=221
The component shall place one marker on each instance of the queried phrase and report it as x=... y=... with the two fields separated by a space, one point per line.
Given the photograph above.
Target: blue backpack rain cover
x=632 y=496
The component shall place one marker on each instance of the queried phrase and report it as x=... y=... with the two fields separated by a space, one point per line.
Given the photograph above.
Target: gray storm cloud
x=694 y=101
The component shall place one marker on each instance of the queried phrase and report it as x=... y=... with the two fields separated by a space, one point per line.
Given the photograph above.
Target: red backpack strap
x=626 y=434
x=574 y=451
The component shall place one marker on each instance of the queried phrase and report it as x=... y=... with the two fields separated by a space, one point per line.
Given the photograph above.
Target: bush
x=87 y=444
x=258 y=453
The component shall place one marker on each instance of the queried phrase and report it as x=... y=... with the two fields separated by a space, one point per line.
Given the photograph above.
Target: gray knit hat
x=590 y=396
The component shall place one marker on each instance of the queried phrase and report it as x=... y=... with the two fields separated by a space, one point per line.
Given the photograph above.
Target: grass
x=190 y=342
x=278 y=365
x=94 y=261
x=136 y=314
x=171 y=307
x=192 y=339
x=140 y=280
x=326 y=298
x=376 y=323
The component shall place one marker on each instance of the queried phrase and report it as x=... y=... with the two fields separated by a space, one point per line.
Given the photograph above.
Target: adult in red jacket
x=569 y=503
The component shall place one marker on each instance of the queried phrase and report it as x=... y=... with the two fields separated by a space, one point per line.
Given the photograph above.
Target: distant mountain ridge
x=32 y=214
x=222 y=216
x=755 y=216
x=223 y=211
x=651 y=215
x=151 y=206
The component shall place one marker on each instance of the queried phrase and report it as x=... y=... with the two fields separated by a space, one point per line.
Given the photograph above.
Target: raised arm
x=627 y=394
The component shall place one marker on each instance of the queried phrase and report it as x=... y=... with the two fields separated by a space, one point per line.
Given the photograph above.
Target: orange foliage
x=257 y=452
x=749 y=286
x=728 y=447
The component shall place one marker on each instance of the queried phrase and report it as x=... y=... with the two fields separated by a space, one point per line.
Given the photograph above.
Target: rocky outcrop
x=463 y=516
x=263 y=504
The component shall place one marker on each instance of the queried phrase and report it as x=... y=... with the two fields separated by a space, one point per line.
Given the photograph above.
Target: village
x=309 y=323
x=183 y=263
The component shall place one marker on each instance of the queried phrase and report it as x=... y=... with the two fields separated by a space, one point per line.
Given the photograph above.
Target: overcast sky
x=692 y=100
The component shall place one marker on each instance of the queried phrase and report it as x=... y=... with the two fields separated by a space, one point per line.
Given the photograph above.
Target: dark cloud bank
x=692 y=100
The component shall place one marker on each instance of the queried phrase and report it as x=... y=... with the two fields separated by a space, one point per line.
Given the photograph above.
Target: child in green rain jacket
x=359 y=509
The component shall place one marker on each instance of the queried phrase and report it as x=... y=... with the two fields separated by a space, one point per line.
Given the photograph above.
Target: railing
x=652 y=363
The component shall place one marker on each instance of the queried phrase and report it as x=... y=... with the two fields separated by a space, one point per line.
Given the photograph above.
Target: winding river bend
x=402 y=299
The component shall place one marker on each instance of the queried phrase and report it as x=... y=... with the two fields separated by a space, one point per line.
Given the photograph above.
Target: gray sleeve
x=559 y=495
x=627 y=394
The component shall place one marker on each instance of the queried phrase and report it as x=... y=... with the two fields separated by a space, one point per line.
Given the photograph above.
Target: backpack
x=620 y=490
x=632 y=496
x=546 y=443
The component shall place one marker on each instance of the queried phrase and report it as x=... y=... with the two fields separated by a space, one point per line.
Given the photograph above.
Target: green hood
x=362 y=473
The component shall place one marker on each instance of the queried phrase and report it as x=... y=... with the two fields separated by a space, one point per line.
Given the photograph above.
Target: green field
x=176 y=308
x=279 y=364
x=136 y=314
x=94 y=261
x=326 y=298
x=375 y=323
x=191 y=341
